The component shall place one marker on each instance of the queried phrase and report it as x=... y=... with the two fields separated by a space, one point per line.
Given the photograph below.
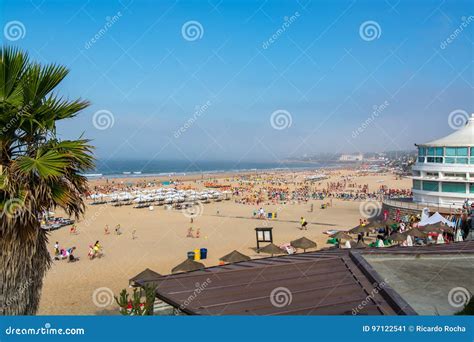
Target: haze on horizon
x=332 y=86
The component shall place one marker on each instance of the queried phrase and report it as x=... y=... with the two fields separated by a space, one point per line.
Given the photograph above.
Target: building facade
x=444 y=172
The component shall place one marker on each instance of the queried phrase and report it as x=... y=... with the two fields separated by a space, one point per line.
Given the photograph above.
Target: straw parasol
x=146 y=276
x=416 y=232
x=341 y=236
x=437 y=227
x=360 y=229
x=271 y=249
x=187 y=266
x=361 y=244
x=398 y=237
x=234 y=256
x=303 y=243
x=375 y=224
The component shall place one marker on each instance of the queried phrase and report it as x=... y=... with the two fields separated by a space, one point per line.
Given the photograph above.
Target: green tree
x=38 y=172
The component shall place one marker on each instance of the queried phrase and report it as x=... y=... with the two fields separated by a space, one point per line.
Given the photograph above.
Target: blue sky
x=321 y=71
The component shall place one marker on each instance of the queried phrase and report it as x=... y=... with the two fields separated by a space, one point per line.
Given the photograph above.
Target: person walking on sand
x=117 y=229
x=198 y=233
x=303 y=224
x=133 y=234
x=190 y=233
x=106 y=229
x=56 y=249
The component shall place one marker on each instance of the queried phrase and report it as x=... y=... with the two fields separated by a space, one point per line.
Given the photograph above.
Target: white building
x=351 y=157
x=444 y=172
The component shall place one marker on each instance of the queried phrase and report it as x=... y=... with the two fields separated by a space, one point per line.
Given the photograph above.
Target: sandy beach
x=161 y=241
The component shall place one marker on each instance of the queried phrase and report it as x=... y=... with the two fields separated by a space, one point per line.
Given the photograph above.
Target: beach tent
x=146 y=276
x=303 y=243
x=187 y=266
x=435 y=218
x=440 y=239
x=348 y=244
x=234 y=256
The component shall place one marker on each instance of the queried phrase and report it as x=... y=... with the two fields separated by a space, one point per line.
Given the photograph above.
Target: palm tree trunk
x=24 y=261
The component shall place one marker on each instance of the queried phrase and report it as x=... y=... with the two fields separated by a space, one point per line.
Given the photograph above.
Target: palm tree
x=38 y=172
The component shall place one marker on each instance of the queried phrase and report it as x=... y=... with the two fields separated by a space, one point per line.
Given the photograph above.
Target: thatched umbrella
x=341 y=236
x=146 y=276
x=187 y=266
x=360 y=229
x=437 y=227
x=375 y=224
x=360 y=244
x=234 y=256
x=303 y=243
x=271 y=249
x=398 y=237
x=416 y=232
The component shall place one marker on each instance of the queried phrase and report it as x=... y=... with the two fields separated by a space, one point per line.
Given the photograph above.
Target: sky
x=253 y=80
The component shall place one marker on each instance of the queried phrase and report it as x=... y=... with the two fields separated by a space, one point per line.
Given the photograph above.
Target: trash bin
x=197 y=254
x=191 y=255
x=203 y=253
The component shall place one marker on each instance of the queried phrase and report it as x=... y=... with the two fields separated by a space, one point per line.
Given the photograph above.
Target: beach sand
x=161 y=241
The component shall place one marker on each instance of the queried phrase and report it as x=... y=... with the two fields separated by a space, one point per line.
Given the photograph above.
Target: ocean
x=140 y=168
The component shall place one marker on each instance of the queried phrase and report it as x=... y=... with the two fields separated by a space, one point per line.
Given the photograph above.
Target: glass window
x=450 y=151
x=472 y=160
x=421 y=151
x=421 y=159
x=461 y=151
x=449 y=160
x=461 y=160
x=471 y=187
x=430 y=186
x=417 y=184
x=439 y=151
x=454 y=187
x=472 y=151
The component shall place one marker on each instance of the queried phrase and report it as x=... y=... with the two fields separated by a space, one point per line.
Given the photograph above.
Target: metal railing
x=420 y=206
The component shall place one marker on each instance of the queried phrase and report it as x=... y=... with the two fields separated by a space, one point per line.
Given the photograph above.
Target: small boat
x=126 y=172
x=137 y=172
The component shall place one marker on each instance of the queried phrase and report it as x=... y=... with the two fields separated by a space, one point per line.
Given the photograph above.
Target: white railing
x=419 y=206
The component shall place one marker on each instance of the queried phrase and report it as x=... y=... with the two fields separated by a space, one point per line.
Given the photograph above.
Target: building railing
x=420 y=206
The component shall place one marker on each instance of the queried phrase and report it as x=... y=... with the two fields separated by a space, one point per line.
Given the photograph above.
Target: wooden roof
x=325 y=282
